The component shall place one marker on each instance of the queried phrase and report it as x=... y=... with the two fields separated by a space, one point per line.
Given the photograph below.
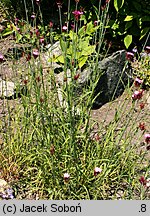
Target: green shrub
x=131 y=20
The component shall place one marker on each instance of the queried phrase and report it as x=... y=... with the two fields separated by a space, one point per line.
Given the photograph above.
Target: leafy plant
x=132 y=20
x=76 y=46
x=142 y=69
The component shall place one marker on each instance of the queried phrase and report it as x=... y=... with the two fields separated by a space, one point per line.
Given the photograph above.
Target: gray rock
x=6 y=192
x=6 y=88
x=53 y=50
x=115 y=75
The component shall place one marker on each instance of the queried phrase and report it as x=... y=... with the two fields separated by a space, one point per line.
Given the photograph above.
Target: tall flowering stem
x=26 y=10
x=68 y=11
x=103 y=19
x=59 y=4
x=77 y=1
x=38 y=4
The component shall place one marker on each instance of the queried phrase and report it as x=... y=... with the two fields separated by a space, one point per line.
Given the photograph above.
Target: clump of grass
x=48 y=149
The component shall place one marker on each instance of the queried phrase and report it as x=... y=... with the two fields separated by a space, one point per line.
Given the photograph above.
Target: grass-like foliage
x=51 y=146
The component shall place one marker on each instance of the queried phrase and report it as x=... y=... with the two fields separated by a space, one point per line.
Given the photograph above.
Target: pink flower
x=38 y=79
x=66 y=177
x=18 y=29
x=129 y=56
x=138 y=82
x=73 y=27
x=52 y=149
x=95 y=23
x=142 y=180
x=147 y=138
x=59 y=3
x=104 y=3
x=51 y=24
x=77 y=14
x=38 y=2
x=134 y=50
x=25 y=82
x=64 y=28
x=97 y=171
x=42 y=40
x=142 y=126
x=137 y=95
x=76 y=76
x=147 y=49
x=33 y=16
x=41 y=100
x=16 y=21
x=35 y=53
x=1 y=58
x=142 y=105
x=28 y=57
x=148 y=147
x=109 y=44
x=37 y=32
x=96 y=137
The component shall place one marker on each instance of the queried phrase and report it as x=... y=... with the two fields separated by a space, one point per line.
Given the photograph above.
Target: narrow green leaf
x=128 y=18
x=144 y=32
x=63 y=45
x=118 y=4
x=9 y=32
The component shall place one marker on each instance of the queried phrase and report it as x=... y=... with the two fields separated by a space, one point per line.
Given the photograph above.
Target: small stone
x=3 y=183
x=7 y=88
x=6 y=192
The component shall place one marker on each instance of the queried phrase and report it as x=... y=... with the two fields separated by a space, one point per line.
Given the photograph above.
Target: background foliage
x=129 y=20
